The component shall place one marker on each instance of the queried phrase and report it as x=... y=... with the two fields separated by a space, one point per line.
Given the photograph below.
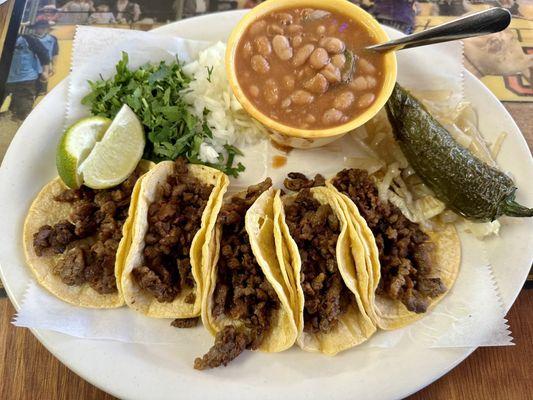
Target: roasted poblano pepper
x=464 y=183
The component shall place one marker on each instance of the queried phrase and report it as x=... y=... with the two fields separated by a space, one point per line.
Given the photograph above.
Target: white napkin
x=96 y=52
x=471 y=315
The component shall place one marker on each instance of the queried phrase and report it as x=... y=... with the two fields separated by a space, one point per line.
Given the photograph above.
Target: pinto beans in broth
x=297 y=59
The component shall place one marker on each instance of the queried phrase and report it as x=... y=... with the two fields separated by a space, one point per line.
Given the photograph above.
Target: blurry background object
x=41 y=31
x=126 y=11
x=6 y=7
x=505 y=66
x=48 y=13
x=185 y=8
x=453 y=7
x=499 y=54
x=503 y=61
x=102 y=15
x=398 y=14
x=30 y=65
x=250 y=4
x=76 y=12
x=223 y=5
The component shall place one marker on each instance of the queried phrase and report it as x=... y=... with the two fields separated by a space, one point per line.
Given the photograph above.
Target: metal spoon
x=482 y=23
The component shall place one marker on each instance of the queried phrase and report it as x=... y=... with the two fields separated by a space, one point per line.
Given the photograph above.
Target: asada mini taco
x=313 y=242
x=76 y=241
x=246 y=299
x=176 y=210
x=409 y=268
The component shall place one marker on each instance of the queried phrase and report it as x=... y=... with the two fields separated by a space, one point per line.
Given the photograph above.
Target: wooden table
x=29 y=371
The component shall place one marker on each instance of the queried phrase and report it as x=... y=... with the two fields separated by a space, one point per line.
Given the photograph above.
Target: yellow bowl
x=307 y=138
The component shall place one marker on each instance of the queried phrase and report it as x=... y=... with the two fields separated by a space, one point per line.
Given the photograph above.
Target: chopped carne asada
x=185 y=323
x=242 y=291
x=315 y=228
x=230 y=342
x=89 y=240
x=404 y=249
x=297 y=181
x=173 y=221
x=53 y=239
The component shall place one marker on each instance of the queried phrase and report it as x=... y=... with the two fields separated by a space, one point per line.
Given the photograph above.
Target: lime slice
x=75 y=145
x=117 y=154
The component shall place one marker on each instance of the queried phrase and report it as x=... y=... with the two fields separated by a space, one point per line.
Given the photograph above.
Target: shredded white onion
x=497 y=145
x=210 y=90
x=393 y=170
x=369 y=164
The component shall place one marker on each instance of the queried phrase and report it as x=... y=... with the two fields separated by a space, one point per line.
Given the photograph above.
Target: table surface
x=490 y=373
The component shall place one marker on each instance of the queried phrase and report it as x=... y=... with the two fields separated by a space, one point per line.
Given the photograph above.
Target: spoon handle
x=481 y=23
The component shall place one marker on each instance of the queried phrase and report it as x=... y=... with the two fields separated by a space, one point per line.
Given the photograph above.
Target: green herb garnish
x=209 y=73
x=154 y=93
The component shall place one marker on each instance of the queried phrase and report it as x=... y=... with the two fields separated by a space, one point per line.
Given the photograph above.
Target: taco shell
x=355 y=326
x=47 y=211
x=259 y=225
x=135 y=297
x=388 y=313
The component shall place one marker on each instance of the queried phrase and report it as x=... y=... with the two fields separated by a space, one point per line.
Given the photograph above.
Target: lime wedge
x=75 y=145
x=116 y=155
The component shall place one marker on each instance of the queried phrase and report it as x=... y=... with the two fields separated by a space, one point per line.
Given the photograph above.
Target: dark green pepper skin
x=464 y=183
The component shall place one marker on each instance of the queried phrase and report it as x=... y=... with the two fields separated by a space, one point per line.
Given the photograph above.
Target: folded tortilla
x=45 y=210
x=259 y=224
x=135 y=297
x=355 y=326
x=385 y=312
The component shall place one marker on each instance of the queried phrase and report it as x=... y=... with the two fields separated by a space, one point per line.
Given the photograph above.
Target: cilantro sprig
x=154 y=93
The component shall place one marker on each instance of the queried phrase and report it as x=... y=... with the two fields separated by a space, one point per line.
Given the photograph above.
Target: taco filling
x=405 y=251
x=185 y=323
x=242 y=292
x=173 y=221
x=315 y=228
x=89 y=239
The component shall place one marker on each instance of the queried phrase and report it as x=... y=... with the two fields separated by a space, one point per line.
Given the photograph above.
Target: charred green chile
x=464 y=183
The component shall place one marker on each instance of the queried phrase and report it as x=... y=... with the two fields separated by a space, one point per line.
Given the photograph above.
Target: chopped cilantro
x=153 y=92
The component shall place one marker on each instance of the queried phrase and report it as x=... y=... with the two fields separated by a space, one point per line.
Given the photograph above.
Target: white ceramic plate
x=157 y=372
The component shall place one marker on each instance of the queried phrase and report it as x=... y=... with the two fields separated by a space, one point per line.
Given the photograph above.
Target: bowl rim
x=341 y=6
